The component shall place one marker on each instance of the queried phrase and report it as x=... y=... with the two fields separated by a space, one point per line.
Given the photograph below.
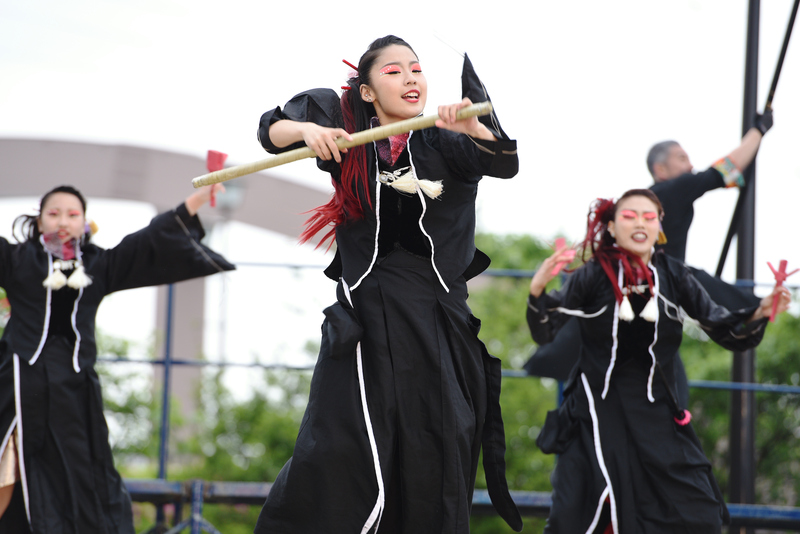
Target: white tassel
x=405 y=183
x=625 y=310
x=79 y=278
x=430 y=188
x=650 y=311
x=56 y=279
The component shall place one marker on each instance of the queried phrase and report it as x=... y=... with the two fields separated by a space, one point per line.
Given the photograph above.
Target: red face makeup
x=395 y=69
x=397 y=88
x=635 y=226
x=390 y=69
x=647 y=215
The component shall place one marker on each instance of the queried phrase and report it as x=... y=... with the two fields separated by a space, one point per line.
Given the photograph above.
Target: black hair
x=28 y=225
x=658 y=154
x=364 y=111
x=351 y=189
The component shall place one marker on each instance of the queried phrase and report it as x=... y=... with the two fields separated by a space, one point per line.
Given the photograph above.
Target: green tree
x=500 y=302
x=777 y=415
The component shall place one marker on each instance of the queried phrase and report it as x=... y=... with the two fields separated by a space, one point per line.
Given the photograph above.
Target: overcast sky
x=586 y=87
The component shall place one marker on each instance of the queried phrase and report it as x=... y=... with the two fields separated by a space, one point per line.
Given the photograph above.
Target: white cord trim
x=377 y=223
x=422 y=216
x=598 y=511
x=579 y=313
x=374 y=518
x=655 y=336
x=615 y=341
x=20 y=452
x=680 y=315
x=46 y=325
x=73 y=319
x=598 y=449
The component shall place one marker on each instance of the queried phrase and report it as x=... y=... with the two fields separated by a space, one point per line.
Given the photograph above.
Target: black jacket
x=456 y=159
x=166 y=251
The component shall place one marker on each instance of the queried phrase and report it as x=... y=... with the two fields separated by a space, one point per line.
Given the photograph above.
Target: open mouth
x=639 y=237
x=411 y=96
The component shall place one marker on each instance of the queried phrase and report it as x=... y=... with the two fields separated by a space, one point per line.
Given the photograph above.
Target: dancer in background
x=677 y=187
x=629 y=458
x=404 y=394
x=54 y=453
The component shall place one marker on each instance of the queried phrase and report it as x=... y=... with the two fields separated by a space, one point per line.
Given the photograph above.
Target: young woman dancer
x=629 y=459
x=54 y=450
x=404 y=394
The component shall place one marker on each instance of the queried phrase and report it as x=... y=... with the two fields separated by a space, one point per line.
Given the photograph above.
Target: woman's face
x=635 y=226
x=62 y=213
x=397 y=88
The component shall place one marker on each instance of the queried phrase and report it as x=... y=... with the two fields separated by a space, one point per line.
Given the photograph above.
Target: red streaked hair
x=603 y=247
x=346 y=204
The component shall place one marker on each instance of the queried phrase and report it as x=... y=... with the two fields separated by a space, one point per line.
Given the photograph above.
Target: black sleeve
x=168 y=250
x=473 y=158
x=320 y=106
x=724 y=326
x=5 y=260
x=544 y=318
x=687 y=188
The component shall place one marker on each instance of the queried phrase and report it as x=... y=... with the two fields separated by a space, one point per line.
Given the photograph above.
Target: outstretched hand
x=201 y=196
x=470 y=126
x=547 y=271
x=784 y=297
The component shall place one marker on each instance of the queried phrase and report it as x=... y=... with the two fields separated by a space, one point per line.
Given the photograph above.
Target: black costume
x=677 y=196
x=49 y=391
x=615 y=432
x=409 y=461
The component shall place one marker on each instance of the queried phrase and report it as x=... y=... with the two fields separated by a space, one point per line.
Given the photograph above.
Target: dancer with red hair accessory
x=404 y=394
x=629 y=458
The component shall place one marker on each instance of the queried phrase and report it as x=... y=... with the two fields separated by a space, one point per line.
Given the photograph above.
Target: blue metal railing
x=537 y=504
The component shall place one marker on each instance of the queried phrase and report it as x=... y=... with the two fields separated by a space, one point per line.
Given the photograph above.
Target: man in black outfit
x=677 y=187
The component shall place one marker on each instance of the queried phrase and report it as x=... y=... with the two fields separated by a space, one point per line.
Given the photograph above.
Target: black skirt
x=67 y=470
x=425 y=380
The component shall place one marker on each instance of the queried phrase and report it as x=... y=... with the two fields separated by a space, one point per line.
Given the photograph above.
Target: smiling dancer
x=629 y=458
x=54 y=451
x=677 y=187
x=404 y=394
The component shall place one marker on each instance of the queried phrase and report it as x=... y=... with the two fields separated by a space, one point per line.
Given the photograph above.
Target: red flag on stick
x=560 y=245
x=780 y=277
x=215 y=161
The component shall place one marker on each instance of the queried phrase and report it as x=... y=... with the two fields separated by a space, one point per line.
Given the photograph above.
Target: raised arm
x=743 y=155
x=201 y=196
